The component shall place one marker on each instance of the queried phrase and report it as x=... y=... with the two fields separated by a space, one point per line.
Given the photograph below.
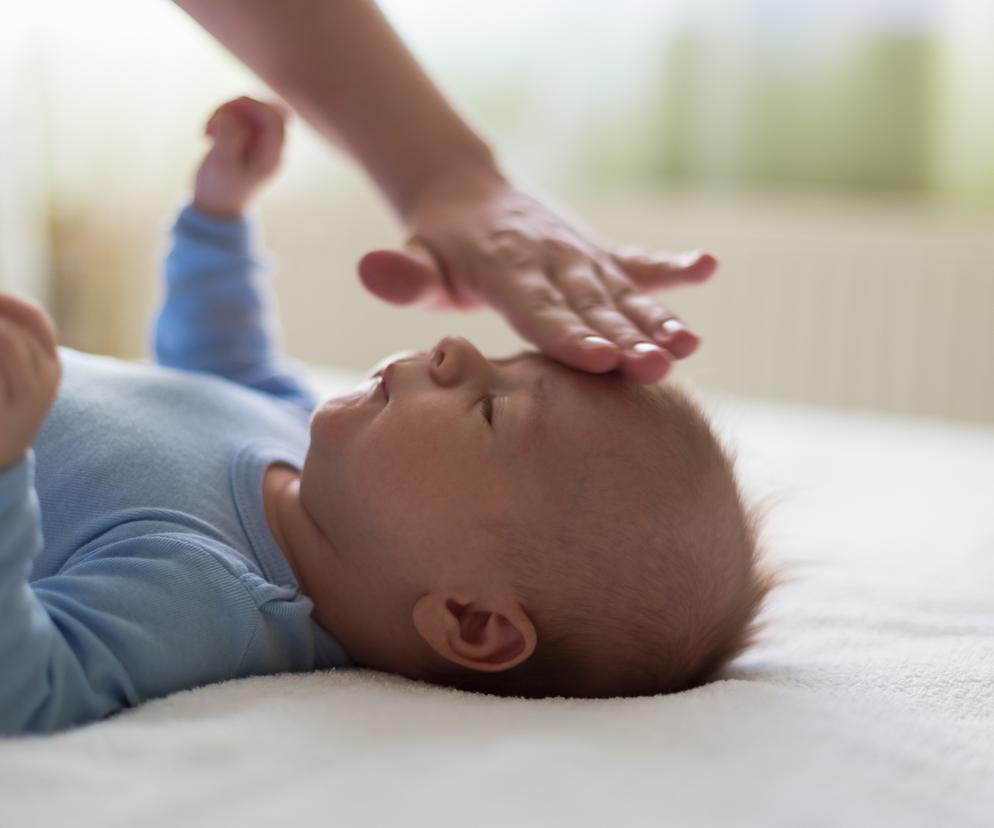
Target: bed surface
x=869 y=701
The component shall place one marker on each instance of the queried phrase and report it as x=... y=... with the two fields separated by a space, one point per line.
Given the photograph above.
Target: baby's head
x=517 y=527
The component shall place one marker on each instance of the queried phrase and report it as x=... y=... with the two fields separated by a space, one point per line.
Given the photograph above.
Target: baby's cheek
x=401 y=457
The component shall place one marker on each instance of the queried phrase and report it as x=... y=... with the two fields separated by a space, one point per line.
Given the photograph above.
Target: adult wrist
x=476 y=173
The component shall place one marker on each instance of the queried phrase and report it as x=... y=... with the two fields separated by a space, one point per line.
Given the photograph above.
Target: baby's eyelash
x=488 y=407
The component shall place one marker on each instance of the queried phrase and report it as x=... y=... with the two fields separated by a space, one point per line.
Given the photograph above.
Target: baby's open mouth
x=383 y=369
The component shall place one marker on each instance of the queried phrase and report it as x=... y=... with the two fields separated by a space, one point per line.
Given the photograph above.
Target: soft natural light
x=618 y=107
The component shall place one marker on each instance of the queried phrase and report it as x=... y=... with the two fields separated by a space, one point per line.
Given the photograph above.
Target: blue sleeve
x=133 y=620
x=216 y=316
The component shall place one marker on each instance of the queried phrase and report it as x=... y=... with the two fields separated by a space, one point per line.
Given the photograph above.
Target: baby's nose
x=455 y=359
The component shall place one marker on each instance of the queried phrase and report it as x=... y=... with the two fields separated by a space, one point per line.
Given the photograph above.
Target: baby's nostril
x=437 y=356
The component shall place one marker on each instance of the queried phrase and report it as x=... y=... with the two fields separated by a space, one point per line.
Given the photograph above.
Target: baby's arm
x=125 y=621
x=216 y=317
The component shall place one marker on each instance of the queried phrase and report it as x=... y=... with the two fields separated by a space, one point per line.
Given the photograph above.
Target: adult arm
x=474 y=236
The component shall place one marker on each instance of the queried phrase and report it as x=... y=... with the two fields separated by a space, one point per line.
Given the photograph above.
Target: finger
x=643 y=359
x=677 y=338
x=271 y=114
x=229 y=138
x=39 y=359
x=210 y=127
x=16 y=359
x=661 y=326
x=537 y=310
x=6 y=356
x=268 y=122
x=402 y=277
x=651 y=271
x=47 y=373
x=30 y=316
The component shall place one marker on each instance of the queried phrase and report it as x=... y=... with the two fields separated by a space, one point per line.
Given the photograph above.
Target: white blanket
x=870 y=701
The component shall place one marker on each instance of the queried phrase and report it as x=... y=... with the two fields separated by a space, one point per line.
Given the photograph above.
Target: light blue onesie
x=135 y=557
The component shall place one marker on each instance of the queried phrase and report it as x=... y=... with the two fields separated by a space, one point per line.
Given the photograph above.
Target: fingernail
x=597 y=340
x=645 y=348
x=672 y=326
x=691 y=258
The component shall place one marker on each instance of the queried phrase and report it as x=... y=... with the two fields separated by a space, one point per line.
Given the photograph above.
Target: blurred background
x=837 y=158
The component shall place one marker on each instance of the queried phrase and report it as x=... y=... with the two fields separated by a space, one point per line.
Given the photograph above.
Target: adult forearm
x=343 y=68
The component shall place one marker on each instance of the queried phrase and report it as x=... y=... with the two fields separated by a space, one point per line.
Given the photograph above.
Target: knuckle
x=512 y=247
x=540 y=298
x=558 y=247
x=621 y=291
x=626 y=339
x=619 y=328
x=642 y=308
x=585 y=300
x=31 y=315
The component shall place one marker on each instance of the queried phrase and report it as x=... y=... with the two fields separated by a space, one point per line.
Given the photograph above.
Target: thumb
x=403 y=277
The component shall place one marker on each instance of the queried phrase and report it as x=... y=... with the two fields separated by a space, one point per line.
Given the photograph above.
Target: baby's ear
x=482 y=635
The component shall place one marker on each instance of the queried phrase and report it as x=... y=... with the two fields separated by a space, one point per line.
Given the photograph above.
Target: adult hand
x=478 y=241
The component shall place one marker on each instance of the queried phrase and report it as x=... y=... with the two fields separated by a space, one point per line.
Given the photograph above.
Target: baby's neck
x=281 y=501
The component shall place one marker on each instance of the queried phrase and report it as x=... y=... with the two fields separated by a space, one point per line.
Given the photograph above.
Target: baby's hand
x=248 y=143
x=29 y=375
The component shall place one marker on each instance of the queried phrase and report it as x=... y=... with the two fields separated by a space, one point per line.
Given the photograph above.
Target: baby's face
x=402 y=474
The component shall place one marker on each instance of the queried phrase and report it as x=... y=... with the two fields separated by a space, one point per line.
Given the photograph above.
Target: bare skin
x=481 y=625
x=474 y=237
x=30 y=372
x=382 y=527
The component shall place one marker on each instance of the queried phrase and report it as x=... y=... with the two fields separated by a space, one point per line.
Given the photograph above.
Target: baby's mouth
x=383 y=369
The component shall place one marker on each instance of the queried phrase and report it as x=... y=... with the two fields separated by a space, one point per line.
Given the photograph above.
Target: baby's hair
x=651 y=581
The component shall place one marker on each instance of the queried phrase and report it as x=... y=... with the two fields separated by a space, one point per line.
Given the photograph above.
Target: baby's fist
x=29 y=375
x=247 y=145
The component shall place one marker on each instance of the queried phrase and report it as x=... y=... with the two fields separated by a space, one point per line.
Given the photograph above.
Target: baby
x=506 y=525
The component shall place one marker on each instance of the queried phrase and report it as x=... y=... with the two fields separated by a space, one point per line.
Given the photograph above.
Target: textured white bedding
x=869 y=702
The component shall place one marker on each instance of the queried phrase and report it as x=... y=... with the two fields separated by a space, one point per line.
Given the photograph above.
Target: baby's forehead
x=603 y=408
x=517 y=356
